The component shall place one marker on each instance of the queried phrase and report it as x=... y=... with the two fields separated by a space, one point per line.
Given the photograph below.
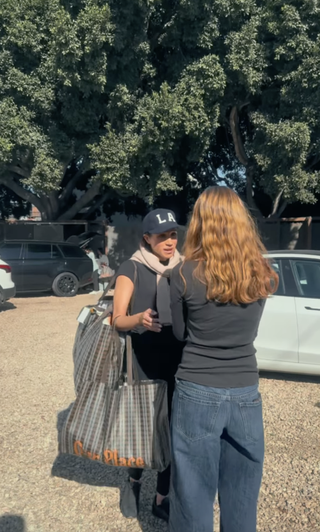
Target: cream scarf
x=146 y=257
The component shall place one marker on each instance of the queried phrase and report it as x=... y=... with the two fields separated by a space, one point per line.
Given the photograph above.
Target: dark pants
x=157 y=357
x=95 y=279
x=217 y=444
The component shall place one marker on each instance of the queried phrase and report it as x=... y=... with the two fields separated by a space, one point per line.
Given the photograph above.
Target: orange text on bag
x=109 y=457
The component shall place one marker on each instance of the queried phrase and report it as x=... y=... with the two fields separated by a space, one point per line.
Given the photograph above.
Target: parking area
x=42 y=492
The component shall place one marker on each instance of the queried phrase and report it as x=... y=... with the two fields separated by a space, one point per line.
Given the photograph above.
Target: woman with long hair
x=217 y=299
x=142 y=290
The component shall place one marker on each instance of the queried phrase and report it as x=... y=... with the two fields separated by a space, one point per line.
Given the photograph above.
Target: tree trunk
x=275 y=205
x=243 y=159
x=54 y=205
x=249 y=192
x=71 y=185
x=81 y=203
x=26 y=195
x=282 y=208
x=278 y=207
x=236 y=137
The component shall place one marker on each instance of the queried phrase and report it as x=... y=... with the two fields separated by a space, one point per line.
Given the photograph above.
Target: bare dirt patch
x=41 y=492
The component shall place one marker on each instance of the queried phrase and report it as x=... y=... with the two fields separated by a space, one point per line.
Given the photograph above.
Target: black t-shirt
x=158 y=354
x=145 y=289
x=219 y=351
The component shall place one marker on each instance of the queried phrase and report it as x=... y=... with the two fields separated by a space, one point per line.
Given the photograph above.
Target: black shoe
x=129 y=501
x=161 y=510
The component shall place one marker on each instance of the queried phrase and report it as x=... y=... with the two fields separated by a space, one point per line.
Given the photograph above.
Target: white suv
x=7 y=286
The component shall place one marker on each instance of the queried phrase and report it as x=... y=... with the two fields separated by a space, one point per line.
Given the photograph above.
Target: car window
x=72 y=252
x=38 y=251
x=277 y=266
x=56 y=253
x=10 y=251
x=307 y=273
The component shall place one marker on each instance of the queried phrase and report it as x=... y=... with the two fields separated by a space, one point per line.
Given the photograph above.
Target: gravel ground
x=41 y=492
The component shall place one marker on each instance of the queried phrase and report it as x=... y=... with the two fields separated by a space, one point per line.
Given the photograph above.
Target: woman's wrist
x=140 y=318
x=128 y=323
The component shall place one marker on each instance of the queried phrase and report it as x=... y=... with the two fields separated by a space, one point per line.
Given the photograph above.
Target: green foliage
x=139 y=94
x=11 y=205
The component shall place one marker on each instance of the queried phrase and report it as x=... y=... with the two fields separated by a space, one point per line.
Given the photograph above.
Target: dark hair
x=145 y=243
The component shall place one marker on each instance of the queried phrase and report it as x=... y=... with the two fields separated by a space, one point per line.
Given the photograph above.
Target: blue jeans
x=217 y=444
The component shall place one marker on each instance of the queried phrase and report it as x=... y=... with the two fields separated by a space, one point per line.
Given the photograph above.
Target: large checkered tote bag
x=93 y=342
x=116 y=418
x=137 y=432
x=94 y=349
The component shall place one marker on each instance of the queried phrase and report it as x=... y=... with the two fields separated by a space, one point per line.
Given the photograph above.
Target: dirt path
x=41 y=492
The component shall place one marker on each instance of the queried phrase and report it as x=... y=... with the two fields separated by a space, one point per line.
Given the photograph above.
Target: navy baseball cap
x=159 y=221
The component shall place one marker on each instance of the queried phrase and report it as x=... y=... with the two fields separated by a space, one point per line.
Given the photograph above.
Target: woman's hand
x=149 y=321
x=121 y=301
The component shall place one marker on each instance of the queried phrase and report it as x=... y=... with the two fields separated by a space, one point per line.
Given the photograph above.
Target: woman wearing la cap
x=157 y=352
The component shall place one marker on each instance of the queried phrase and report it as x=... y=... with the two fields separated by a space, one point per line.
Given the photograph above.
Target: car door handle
x=311 y=308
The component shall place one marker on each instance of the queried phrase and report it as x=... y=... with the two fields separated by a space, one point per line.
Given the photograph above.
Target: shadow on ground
x=12 y=523
x=7 y=306
x=96 y=474
x=292 y=377
x=32 y=295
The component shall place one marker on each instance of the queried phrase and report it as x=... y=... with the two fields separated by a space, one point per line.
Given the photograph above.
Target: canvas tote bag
x=116 y=418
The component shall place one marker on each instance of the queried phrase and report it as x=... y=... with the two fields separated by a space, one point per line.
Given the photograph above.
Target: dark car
x=45 y=266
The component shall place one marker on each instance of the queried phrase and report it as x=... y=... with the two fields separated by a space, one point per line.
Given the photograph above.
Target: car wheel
x=65 y=285
x=2 y=298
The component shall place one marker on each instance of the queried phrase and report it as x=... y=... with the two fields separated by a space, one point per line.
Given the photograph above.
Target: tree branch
x=278 y=209
x=20 y=171
x=48 y=207
x=313 y=162
x=82 y=202
x=243 y=158
x=97 y=204
x=236 y=136
x=282 y=208
x=71 y=185
x=249 y=191
x=244 y=104
x=25 y=194
x=53 y=200
x=276 y=204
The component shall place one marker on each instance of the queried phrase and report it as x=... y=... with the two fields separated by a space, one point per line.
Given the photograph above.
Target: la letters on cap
x=170 y=218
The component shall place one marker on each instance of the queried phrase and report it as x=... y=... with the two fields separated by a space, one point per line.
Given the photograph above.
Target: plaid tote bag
x=116 y=419
x=93 y=342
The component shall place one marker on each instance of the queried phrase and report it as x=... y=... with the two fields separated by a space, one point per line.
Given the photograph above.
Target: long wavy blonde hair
x=224 y=240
